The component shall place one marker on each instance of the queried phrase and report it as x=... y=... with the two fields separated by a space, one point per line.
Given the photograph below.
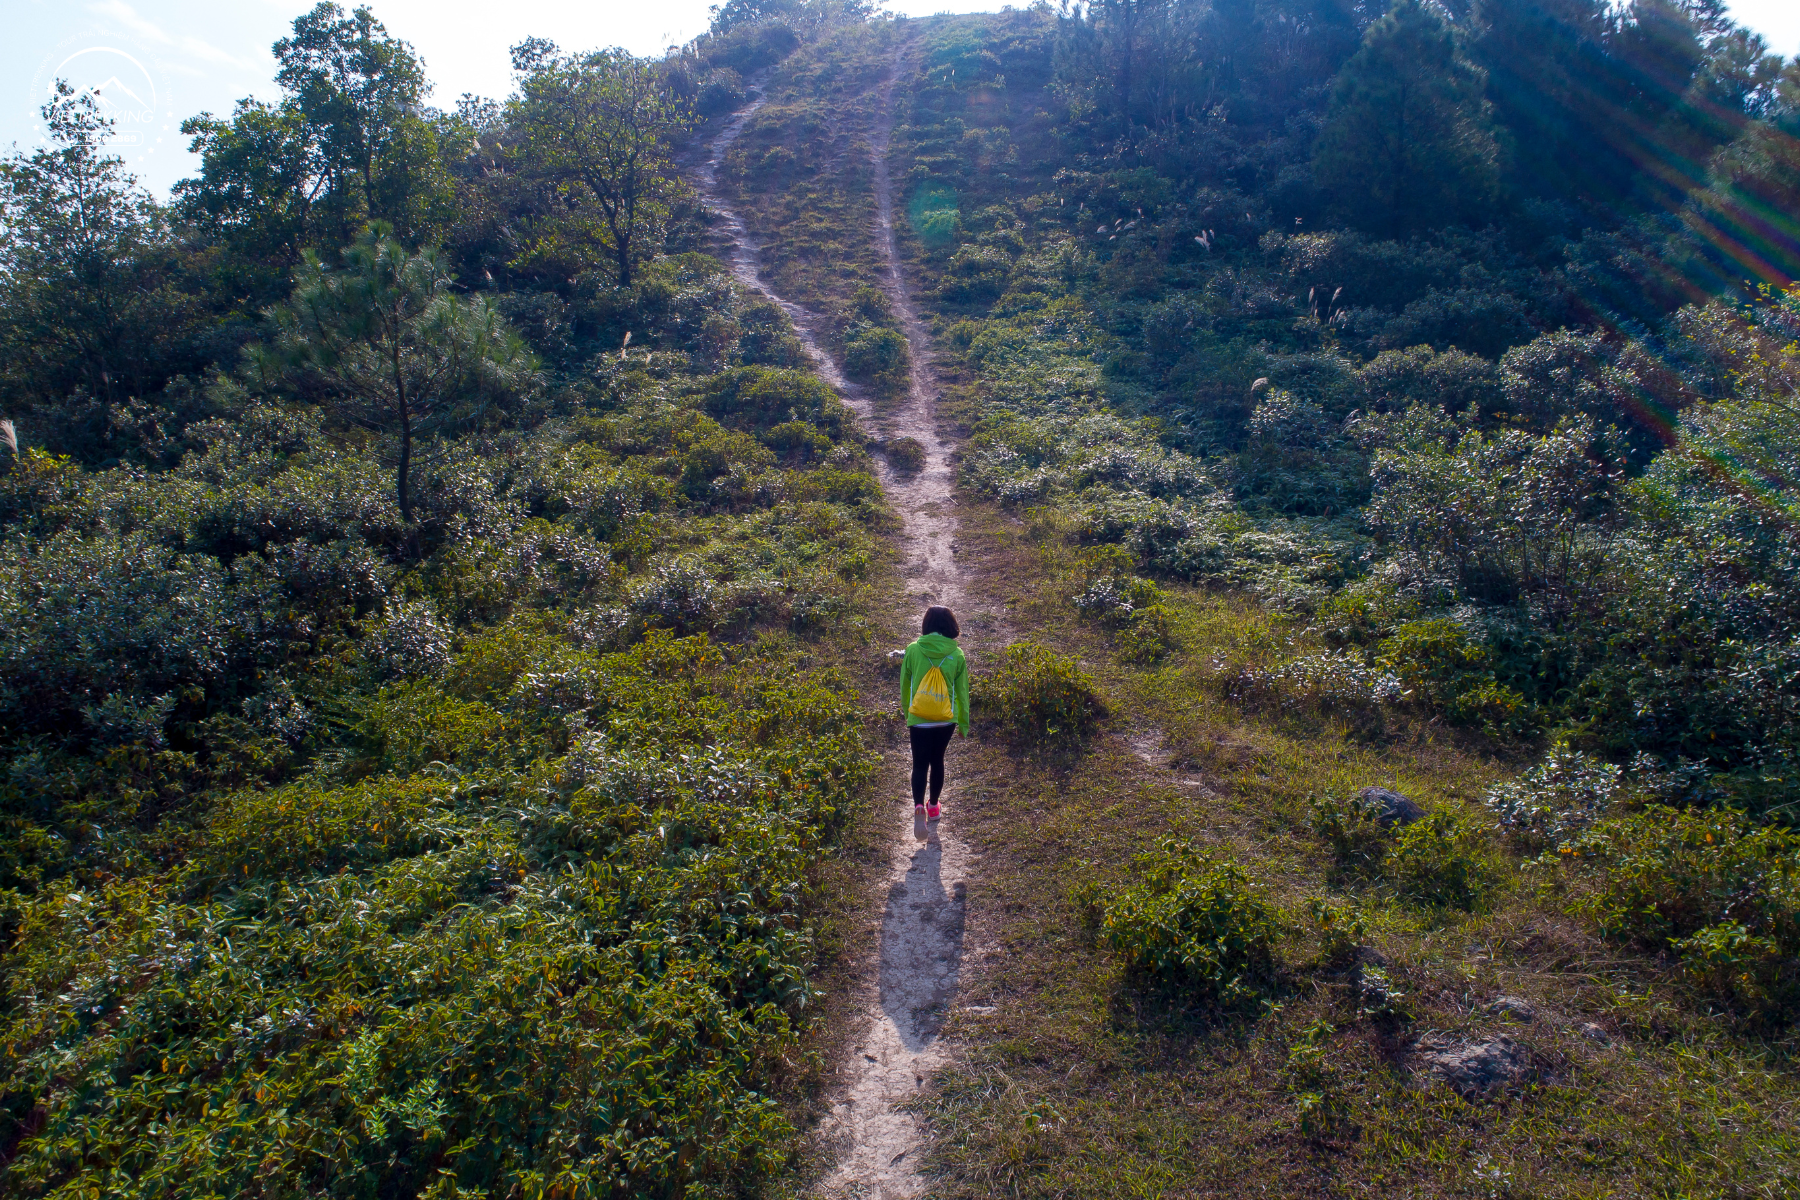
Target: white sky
x=174 y=58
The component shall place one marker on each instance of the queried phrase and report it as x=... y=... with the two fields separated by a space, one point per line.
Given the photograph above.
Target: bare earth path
x=909 y=995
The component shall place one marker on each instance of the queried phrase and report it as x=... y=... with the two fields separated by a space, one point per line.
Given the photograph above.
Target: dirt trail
x=745 y=253
x=912 y=987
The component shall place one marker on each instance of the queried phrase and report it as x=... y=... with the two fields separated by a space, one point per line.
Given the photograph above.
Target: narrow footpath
x=910 y=991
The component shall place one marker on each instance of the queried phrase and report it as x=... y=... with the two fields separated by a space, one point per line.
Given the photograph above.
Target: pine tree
x=1552 y=85
x=1408 y=143
x=388 y=344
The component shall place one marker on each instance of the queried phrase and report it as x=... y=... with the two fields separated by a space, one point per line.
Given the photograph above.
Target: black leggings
x=928 y=743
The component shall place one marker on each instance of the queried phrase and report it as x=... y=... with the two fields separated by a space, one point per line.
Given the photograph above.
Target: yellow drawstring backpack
x=931 y=699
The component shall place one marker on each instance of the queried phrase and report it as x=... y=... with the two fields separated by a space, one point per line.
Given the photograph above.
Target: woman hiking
x=934 y=695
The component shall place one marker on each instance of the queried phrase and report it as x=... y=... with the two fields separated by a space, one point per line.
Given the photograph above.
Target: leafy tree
x=363 y=91
x=1408 y=143
x=350 y=142
x=1590 y=93
x=799 y=14
x=1116 y=30
x=90 y=295
x=1142 y=68
x=1661 y=44
x=602 y=127
x=261 y=176
x=390 y=346
x=1138 y=64
x=736 y=13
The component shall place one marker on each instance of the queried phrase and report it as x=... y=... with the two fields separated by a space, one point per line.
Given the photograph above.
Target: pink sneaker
x=931 y=814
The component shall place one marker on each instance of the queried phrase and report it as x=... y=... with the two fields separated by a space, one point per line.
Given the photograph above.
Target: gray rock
x=1391 y=808
x=1513 y=1006
x=1477 y=1069
x=1592 y=1032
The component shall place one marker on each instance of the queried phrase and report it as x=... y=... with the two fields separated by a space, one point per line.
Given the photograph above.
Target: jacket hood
x=935 y=643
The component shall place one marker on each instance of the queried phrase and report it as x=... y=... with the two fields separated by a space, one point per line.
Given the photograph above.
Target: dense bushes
x=537 y=971
x=905 y=454
x=1463 y=430
x=1499 y=480
x=878 y=356
x=1192 y=923
x=1708 y=885
x=345 y=850
x=93 y=620
x=759 y=398
x=1162 y=506
x=176 y=590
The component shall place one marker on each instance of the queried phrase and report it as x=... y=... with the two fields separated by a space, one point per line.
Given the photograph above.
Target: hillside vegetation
x=1489 y=500
x=438 y=608
x=420 y=744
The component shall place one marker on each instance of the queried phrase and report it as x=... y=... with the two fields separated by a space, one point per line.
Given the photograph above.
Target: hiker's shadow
x=921 y=947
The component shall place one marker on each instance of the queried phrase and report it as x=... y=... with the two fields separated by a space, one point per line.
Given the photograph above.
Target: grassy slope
x=1077 y=1083
x=800 y=174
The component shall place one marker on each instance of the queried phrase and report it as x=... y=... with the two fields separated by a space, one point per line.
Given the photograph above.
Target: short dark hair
x=939 y=619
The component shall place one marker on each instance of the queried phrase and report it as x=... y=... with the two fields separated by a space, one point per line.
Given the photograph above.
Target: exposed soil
x=912 y=986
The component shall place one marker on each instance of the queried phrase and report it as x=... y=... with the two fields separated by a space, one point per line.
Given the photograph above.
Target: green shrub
x=406 y=727
x=762 y=397
x=1440 y=860
x=1554 y=801
x=1193 y=923
x=1349 y=619
x=1432 y=657
x=1311 y=1077
x=933 y=214
x=1133 y=608
x=1039 y=697
x=1114 y=600
x=975 y=273
x=41 y=492
x=1351 y=826
x=1341 y=683
x=1340 y=928
x=1709 y=885
x=1441 y=665
x=905 y=454
x=1147 y=638
x=796 y=440
x=878 y=355
x=84 y=619
x=1497 y=709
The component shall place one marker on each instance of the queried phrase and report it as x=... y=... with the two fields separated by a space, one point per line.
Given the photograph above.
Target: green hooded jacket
x=920 y=656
